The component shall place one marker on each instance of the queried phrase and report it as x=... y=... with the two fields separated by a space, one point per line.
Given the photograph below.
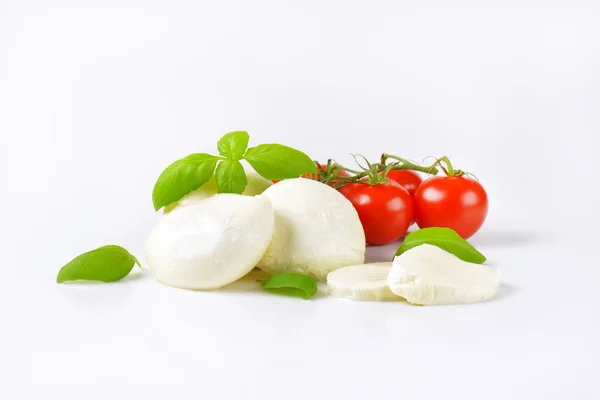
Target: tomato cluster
x=389 y=198
x=387 y=210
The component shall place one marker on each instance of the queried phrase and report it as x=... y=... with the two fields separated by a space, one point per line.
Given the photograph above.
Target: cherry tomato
x=340 y=173
x=409 y=180
x=385 y=210
x=454 y=202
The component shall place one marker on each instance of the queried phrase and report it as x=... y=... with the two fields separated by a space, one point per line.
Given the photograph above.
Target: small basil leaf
x=182 y=177
x=233 y=144
x=291 y=284
x=106 y=264
x=230 y=177
x=444 y=238
x=276 y=162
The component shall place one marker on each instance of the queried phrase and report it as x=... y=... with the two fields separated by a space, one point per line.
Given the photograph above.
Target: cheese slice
x=428 y=275
x=366 y=282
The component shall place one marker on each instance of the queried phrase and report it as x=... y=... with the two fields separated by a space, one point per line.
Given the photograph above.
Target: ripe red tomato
x=324 y=166
x=408 y=179
x=454 y=202
x=385 y=210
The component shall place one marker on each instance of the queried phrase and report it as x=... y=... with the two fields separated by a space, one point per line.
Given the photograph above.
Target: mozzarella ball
x=210 y=243
x=256 y=185
x=317 y=230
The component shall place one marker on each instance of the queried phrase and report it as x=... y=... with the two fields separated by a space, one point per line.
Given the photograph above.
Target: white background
x=97 y=97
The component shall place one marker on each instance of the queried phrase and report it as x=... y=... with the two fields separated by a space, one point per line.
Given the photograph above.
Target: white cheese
x=428 y=275
x=317 y=230
x=256 y=185
x=362 y=282
x=212 y=242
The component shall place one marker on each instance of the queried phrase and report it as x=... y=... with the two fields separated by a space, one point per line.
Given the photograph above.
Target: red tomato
x=452 y=202
x=385 y=210
x=409 y=180
x=324 y=166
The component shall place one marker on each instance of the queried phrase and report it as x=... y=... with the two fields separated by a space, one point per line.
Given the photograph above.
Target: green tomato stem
x=375 y=173
x=404 y=164
x=449 y=170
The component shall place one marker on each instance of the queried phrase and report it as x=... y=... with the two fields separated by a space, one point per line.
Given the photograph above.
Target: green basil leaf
x=291 y=284
x=230 y=177
x=106 y=264
x=233 y=144
x=182 y=177
x=444 y=238
x=276 y=162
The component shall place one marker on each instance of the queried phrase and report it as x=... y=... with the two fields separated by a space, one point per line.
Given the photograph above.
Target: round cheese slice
x=428 y=275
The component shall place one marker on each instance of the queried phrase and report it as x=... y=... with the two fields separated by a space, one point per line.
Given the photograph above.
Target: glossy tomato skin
x=340 y=173
x=385 y=210
x=454 y=202
x=409 y=180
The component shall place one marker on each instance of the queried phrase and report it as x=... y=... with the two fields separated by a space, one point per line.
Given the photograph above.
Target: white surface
x=97 y=97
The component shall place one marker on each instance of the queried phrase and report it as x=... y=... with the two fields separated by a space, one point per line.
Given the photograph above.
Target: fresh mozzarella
x=256 y=185
x=362 y=282
x=429 y=275
x=317 y=230
x=212 y=242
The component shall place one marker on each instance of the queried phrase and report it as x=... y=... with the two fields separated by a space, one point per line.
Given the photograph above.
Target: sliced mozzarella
x=317 y=230
x=212 y=242
x=362 y=282
x=429 y=275
x=256 y=185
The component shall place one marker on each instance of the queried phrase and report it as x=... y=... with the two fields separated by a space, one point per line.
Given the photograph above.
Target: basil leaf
x=231 y=177
x=277 y=162
x=444 y=238
x=233 y=144
x=291 y=284
x=182 y=177
x=106 y=264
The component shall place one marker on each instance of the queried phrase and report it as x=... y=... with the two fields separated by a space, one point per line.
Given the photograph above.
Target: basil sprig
x=271 y=161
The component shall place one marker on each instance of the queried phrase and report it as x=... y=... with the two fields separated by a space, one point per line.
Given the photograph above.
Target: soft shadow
x=134 y=275
x=381 y=253
x=248 y=283
x=89 y=295
x=509 y=238
x=506 y=291
x=485 y=238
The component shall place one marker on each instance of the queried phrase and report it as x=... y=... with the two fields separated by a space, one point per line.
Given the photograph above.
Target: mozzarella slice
x=317 y=230
x=362 y=282
x=212 y=242
x=428 y=275
x=256 y=185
